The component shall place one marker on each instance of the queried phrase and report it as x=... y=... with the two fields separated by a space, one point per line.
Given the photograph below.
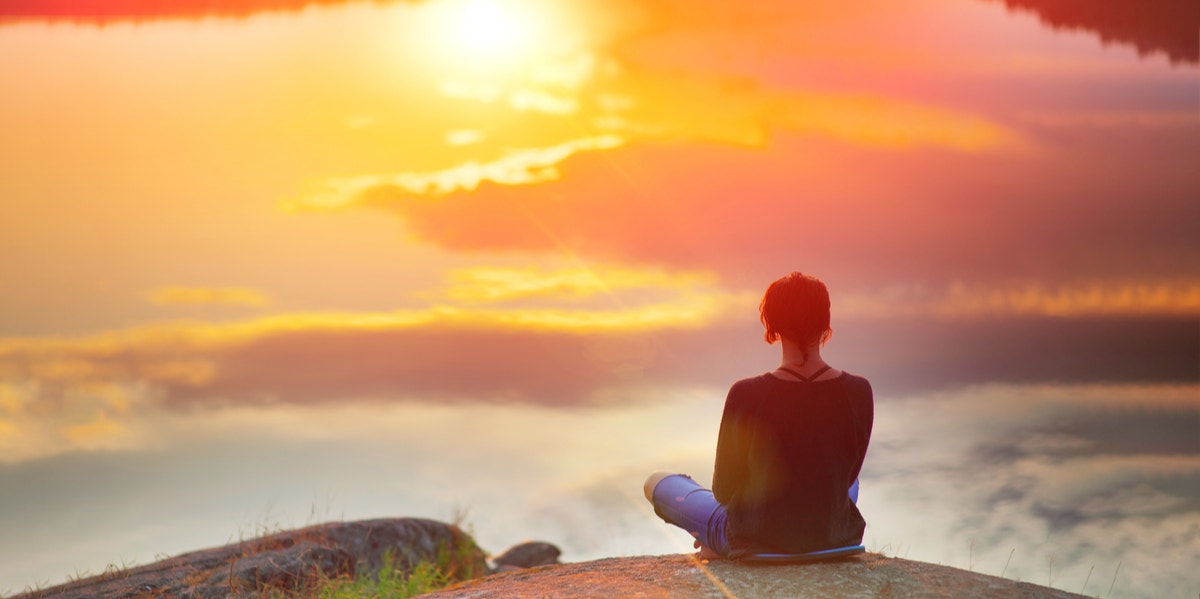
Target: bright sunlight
x=494 y=29
x=487 y=28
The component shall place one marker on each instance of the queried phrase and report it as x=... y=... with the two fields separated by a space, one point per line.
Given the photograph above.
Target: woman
x=791 y=444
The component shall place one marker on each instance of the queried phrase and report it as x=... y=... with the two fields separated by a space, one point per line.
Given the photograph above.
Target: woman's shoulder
x=856 y=383
x=751 y=387
x=768 y=379
x=754 y=382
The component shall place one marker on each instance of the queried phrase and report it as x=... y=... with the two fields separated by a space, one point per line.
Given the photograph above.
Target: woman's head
x=797 y=307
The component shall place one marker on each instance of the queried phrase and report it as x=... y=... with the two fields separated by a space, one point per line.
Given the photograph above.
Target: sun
x=495 y=29
x=495 y=38
x=486 y=27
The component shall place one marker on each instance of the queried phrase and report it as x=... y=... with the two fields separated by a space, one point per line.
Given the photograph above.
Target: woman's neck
x=794 y=355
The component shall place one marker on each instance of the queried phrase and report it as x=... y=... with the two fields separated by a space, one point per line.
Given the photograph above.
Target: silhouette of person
x=791 y=445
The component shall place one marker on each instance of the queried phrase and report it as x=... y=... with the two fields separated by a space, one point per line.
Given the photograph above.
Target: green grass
x=393 y=580
x=453 y=563
x=391 y=583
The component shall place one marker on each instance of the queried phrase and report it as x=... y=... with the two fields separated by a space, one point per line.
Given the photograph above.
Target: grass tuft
x=390 y=583
x=453 y=563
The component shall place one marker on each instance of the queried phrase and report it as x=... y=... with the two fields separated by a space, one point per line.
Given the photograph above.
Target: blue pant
x=683 y=502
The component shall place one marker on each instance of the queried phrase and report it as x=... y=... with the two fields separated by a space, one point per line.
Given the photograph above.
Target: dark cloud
x=930 y=353
x=565 y=369
x=1080 y=431
x=1171 y=27
x=436 y=365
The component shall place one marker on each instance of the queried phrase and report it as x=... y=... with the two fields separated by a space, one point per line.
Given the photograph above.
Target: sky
x=273 y=215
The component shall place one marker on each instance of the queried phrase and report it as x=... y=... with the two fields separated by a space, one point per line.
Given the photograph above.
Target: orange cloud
x=885 y=122
x=231 y=296
x=728 y=110
x=192 y=372
x=9 y=400
x=198 y=357
x=686 y=312
x=42 y=418
x=95 y=434
x=105 y=11
x=487 y=284
x=518 y=167
x=647 y=105
x=821 y=207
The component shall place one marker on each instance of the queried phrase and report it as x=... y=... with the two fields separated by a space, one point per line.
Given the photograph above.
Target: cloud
x=230 y=296
x=95 y=434
x=658 y=105
x=918 y=217
x=517 y=167
x=604 y=336
x=566 y=336
x=958 y=300
x=562 y=338
x=926 y=353
x=646 y=104
x=528 y=99
x=1081 y=498
x=43 y=418
x=107 y=11
x=490 y=284
x=681 y=146
x=1149 y=119
x=463 y=137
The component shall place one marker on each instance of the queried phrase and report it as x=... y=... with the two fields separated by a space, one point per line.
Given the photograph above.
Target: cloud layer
x=97 y=392
x=107 y=11
x=1058 y=485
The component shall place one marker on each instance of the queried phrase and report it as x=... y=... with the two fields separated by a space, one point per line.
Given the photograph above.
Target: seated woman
x=790 y=447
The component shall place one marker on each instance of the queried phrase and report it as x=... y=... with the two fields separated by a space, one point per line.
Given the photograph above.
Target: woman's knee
x=652 y=482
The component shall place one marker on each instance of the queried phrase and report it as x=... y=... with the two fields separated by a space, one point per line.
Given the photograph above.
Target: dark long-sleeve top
x=787 y=454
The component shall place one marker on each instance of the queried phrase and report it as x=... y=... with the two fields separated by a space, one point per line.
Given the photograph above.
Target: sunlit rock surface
x=682 y=576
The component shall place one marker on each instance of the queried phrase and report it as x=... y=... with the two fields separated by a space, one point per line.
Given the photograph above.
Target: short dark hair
x=797 y=307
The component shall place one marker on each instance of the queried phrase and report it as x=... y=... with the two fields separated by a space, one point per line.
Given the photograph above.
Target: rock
x=683 y=576
x=527 y=555
x=291 y=568
x=293 y=560
x=287 y=560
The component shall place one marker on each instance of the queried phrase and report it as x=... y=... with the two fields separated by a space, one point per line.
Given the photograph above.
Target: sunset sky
x=207 y=208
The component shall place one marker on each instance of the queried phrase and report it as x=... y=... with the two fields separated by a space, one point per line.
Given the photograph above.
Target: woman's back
x=787 y=454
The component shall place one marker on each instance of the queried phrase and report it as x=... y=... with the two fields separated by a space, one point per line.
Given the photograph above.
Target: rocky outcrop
x=289 y=560
x=295 y=560
x=683 y=576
